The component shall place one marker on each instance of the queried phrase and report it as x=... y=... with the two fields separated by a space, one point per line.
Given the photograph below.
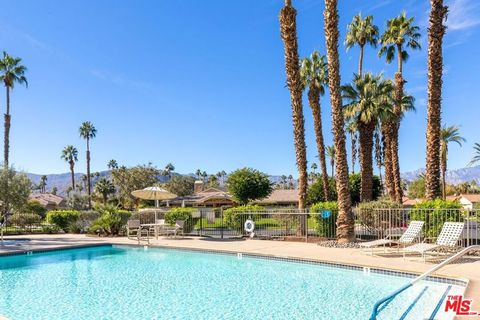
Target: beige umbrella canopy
x=154 y=193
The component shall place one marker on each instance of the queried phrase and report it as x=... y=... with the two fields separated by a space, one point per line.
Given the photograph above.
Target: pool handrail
x=392 y=296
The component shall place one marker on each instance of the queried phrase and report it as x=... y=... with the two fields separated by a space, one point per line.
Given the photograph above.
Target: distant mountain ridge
x=62 y=180
x=455 y=176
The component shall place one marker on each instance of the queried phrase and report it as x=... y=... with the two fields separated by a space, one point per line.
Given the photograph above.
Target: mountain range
x=62 y=181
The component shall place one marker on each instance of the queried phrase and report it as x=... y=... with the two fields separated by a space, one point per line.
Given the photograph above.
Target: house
x=201 y=198
x=469 y=200
x=49 y=201
x=280 y=197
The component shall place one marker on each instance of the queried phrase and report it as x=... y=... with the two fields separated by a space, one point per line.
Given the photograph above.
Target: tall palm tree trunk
x=345 y=223
x=89 y=185
x=6 y=137
x=436 y=31
x=288 y=28
x=387 y=156
x=366 y=160
x=397 y=110
x=360 y=62
x=314 y=100
x=72 y=174
x=353 y=150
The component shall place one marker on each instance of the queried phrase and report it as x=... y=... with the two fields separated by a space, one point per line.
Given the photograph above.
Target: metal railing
x=393 y=295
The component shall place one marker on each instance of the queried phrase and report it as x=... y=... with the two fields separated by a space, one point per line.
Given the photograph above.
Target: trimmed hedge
x=234 y=217
x=374 y=215
x=63 y=218
x=184 y=214
x=435 y=213
x=325 y=215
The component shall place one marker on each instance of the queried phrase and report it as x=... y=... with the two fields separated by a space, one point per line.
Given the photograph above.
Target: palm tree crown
x=70 y=154
x=12 y=71
x=368 y=97
x=314 y=72
x=476 y=156
x=87 y=130
x=400 y=31
x=361 y=31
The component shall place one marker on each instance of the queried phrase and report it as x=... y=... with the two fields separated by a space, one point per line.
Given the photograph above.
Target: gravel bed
x=335 y=244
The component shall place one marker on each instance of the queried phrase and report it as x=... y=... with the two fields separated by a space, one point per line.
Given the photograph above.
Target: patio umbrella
x=154 y=193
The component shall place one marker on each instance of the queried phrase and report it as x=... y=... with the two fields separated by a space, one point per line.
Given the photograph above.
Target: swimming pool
x=120 y=282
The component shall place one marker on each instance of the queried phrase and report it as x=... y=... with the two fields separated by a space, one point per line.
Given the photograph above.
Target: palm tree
x=351 y=128
x=112 y=164
x=169 y=168
x=70 y=155
x=361 y=32
x=436 y=31
x=345 y=222
x=198 y=173
x=104 y=187
x=387 y=119
x=43 y=184
x=331 y=155
x=447 y=135
x=378 y=152
x=11 y=72
x=476 y=157
x=288 y=28
x=87 y=132
x=314 y=75
x=400 y=34
x=368 y=99
x=314 y=167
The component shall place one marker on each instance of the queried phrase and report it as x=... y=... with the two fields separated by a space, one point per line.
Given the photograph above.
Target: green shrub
x=35 y=207
x=184 y=214
x=315 y=191
x=325 y=215
x=111 y=222
x=23 y=220
x=50 y=228
x=84 y=221
x=435 y=213
x=375 y=216
x=63 y=218
x=235 y=217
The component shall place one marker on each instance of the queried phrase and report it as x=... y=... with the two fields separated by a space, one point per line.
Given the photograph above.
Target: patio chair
x=447 y=239
x=179 y=225
x=135 y=231
x=408 y=237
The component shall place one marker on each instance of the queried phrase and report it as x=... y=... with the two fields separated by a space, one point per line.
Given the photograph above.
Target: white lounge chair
x=447 y=239
x=408 y=237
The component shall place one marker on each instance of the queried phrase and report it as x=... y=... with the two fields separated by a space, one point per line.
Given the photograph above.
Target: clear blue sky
x=201 y=84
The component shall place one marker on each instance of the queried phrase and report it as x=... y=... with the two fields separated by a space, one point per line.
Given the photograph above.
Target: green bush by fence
x=376 y=215
x=234 y=217
x=435 y=213
x=325 y=215
x=184 y=214
x=112 y=221
x=63 y=218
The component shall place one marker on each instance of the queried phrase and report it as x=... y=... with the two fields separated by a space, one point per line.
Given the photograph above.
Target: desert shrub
x=84 y=221
x=184 y=214
x=235 y=217
x=63 y=218
x=50 y=228
x=35 y=207
x=376 y=216
x=325 y=215
x=23 y=220
x=435 y=213
x=111 y=222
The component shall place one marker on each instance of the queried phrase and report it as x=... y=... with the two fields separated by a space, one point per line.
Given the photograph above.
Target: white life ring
x=249 y=225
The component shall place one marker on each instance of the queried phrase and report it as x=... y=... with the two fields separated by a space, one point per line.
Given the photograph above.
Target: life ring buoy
x=249 y=226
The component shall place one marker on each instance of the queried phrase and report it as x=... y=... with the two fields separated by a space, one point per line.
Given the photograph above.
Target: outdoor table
x=156 y=227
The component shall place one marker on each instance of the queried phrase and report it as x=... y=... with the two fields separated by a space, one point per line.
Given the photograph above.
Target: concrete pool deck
x=468 y=269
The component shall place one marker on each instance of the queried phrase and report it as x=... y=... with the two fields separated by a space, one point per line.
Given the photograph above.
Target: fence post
x=221 y=230
x=306 y=225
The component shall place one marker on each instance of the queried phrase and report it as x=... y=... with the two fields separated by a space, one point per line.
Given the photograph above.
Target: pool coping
x=463 y=282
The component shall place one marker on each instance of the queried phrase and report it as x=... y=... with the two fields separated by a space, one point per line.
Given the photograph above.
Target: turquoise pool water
x=132 y=283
